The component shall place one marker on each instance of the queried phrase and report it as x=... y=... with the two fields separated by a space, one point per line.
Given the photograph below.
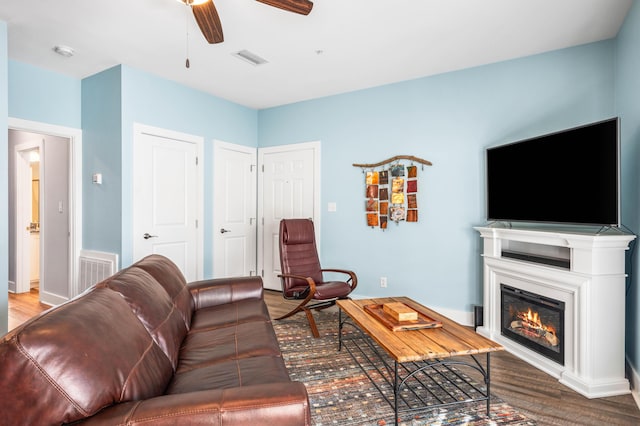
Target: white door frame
x=315 y=146
x=23 y=210
x=75 y=189
x=140 y=129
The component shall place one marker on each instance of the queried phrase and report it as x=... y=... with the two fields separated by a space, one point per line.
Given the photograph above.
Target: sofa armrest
x=225 y=290
x=284 y=403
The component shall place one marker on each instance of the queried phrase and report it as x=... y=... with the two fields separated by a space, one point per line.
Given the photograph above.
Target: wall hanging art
x=391 y=190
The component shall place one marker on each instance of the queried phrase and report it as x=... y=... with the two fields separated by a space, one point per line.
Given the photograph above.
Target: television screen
x=571 y=177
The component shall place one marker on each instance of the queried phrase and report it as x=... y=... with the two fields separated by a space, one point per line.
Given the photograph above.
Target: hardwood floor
x=536 y=394
x=23 y=306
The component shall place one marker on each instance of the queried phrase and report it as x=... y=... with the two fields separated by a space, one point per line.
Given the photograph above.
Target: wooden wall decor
x=391 y=193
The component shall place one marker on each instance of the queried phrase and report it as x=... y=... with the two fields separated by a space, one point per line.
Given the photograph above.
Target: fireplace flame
x=530 y=323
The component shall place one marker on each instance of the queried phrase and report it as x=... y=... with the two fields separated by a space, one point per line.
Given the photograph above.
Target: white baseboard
x=634 y=381
x=12 y=286
x=51 y=299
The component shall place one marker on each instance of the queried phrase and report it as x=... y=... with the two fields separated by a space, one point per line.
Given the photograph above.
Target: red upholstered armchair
x=302 y=276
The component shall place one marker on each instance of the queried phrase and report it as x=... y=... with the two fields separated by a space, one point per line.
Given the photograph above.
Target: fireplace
x=589 y=357
x=534 y=321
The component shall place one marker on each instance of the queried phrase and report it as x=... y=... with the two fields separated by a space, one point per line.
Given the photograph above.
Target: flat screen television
x=567 y=177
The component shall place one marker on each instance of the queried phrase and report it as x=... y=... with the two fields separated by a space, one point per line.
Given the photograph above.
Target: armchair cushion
x=331 y=290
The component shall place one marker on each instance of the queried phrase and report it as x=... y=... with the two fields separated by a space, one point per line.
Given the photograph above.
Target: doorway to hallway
x=44 y=209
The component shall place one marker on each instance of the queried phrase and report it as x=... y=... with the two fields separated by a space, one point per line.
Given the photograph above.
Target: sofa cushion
x=170 y=277
x=78 y=358
x=229 y=374
x=278 y=403
x=227 y=343
x=154 y=308
x=231 y=313
x=220 y=291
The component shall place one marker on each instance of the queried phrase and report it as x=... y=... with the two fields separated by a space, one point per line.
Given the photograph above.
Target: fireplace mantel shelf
x=592 y=286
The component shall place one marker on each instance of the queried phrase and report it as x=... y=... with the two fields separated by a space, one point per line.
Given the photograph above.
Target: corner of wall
x=634 y=381
x=4 y=214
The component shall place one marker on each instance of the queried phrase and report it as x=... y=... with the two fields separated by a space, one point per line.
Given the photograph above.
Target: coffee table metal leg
x=396 y=391
x=487 y=381
x=339 y=329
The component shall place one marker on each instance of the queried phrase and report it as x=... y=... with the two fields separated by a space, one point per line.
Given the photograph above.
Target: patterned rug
x=340 y=393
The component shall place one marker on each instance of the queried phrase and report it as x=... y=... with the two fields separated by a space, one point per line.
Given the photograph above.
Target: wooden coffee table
x=426 y=360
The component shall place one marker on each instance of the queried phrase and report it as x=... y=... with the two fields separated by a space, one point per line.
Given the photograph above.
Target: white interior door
x=234 y=210
x=166 y=205
x=24 y=207
x=290 y=188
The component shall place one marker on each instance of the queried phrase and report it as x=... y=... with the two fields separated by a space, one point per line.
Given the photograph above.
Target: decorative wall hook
x=395 y=158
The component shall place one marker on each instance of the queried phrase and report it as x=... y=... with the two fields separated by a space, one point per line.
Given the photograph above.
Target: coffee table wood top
x=452 y=339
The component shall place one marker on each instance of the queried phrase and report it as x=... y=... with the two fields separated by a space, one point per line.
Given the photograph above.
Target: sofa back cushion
x=78 y=358
x=154 y=308
x=170 y=277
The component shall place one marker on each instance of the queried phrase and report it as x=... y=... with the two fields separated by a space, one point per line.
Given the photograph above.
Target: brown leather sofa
x=145 y=347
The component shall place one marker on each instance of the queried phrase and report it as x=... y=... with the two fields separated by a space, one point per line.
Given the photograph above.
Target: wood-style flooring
x=23 y=306
x=533 y=392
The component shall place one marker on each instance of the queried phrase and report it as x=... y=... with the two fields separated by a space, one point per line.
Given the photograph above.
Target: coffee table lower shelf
x=410 y=387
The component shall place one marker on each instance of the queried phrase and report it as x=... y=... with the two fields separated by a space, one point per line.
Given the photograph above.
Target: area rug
x=340 y=393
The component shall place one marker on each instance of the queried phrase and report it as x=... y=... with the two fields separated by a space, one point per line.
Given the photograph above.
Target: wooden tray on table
x=423 y=321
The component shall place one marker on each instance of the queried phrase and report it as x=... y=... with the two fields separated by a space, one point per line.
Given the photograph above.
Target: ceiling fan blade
x=209 y=22
x=303 y=7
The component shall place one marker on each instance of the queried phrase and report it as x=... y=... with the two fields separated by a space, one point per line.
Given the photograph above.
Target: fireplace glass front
x=534 y=321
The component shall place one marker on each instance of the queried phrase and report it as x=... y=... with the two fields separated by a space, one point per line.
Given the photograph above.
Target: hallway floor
x=23 y=306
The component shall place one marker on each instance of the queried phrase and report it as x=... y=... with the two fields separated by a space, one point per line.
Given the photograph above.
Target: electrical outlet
x=383 y=282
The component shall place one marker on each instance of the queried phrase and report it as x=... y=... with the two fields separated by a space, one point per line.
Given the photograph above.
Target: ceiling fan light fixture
x=250 y=57
x=193 y=2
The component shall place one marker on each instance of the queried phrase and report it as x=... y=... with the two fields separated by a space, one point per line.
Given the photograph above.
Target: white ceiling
x=343 y=45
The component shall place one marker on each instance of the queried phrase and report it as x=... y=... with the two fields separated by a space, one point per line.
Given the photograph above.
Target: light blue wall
x=628 y=106
x=449 y=120
x=40 y=95
x=102 y=153
x=4 y=179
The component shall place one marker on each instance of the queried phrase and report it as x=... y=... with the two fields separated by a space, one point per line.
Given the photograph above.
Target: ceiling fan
x=209 y=22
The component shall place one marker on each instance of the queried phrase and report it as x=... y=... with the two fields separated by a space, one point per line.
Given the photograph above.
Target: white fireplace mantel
x=584 y=270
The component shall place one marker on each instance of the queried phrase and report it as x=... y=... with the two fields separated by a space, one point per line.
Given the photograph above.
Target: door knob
x=222 y=230
x=146 y=236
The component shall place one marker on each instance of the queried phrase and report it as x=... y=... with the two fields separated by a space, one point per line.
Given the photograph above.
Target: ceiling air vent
x=250 y=57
